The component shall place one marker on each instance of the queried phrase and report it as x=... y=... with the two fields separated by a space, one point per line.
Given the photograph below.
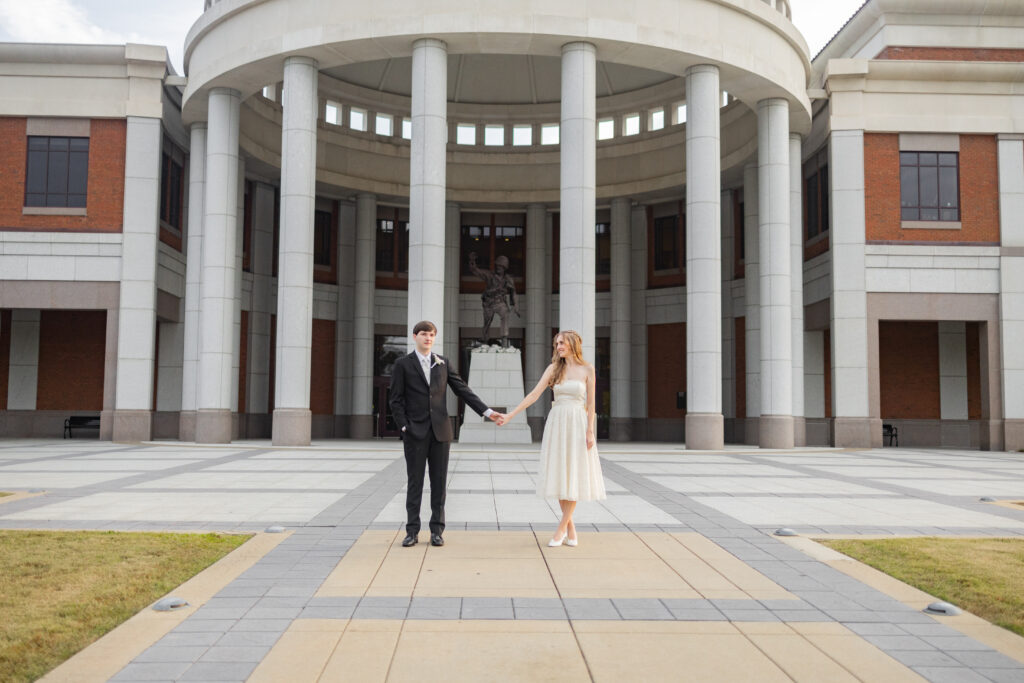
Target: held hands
x=497 y=417
x=502 y=420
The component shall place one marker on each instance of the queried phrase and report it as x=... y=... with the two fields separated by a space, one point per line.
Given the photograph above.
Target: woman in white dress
x=570 y=469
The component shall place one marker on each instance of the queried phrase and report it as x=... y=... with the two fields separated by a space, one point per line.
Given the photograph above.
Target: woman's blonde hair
x=575 y=342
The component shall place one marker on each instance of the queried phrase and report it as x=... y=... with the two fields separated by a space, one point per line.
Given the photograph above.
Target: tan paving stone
x=666 y=546
x=800 y=659
x=398 y=573
x=618 y=578
x=490 y=544
x=996 y=637
x=444 y=576
x=775 y=628
x=738 y=572
x=20 y=495
x=663 y=655
x=364 y=652
x=299 y=655
x=673 y=627
x=508 y=651
x=360 y=565
x=822 y=628
x=862 y=659
x=613 y=545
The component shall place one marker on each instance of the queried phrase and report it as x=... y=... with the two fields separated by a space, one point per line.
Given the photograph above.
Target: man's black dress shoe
x=410 y=540
x=435 y=539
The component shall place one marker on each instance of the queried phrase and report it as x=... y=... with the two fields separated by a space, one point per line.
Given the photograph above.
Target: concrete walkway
x=677 y=575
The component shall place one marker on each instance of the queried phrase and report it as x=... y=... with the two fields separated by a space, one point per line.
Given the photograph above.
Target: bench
x=80 y=422
x=892 y=433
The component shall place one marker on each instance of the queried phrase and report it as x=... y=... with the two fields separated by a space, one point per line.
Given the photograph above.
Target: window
x=816 y=195
x=465 y=134
x=522 y=135
x=384 y=124
x=172 y=181
x=606 y=129
x=929 y=186
x=322 y=238
x=332 y=113
x=268 y=92
x=494 y=136
x=392 y=248
x=666 y=233
x=679 y=114
x=490 y=235
x=407 y=129
x=357 y=118
x=603 y=244
x=631 y=124
x=656 y=120
x=549 y=134
x=725 y=98
x=666 y=239
x=57 y=171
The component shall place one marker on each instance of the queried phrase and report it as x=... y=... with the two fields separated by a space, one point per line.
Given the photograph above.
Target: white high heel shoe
x=571 y=542
x=554 y=543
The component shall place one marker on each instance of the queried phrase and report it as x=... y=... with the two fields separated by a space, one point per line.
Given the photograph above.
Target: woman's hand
x=590 y=439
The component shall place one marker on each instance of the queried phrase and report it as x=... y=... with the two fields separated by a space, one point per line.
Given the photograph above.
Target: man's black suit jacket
x=419 y=407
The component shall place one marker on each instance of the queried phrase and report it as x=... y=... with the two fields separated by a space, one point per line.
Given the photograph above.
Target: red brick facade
x=72 y=350
x=979 y=193
x=908 y=363
x=321 y=385
x=666 y=361
x=105 y=200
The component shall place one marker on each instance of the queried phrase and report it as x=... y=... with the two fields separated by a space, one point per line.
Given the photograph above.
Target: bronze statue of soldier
x=499 y=295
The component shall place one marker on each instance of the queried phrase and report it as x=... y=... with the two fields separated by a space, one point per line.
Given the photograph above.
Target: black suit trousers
x=419 y=454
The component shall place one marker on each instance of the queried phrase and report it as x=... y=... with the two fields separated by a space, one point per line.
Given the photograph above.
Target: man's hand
x=496 y=417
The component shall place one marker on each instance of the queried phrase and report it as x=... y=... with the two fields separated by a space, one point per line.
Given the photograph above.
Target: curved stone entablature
x=651 y=164
x=242 y=44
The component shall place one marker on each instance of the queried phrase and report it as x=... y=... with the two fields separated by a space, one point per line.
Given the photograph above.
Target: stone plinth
x=496 y=376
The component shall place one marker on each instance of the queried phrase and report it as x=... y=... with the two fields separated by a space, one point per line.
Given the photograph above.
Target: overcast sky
x=166 y=22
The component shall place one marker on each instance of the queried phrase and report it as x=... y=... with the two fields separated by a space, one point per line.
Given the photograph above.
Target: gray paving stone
x=273 y=613
x=208 y=613
x=228 y=602
x=1003 y=675
x=950 y=674
x=249 y=639
x=890 y=643
x=327 y=612
x=334 y=602
x=986 y=660
x=244 y=653
x=876 y=629
x=541 y=613
x=435 y=613
x=687 y=603
x=541 y=603
x=217 y=625
x=586 y=608
x=930 y=658
x=958 y=643
x=281 y=601
x=687 y=614
x=218 y=671
x=198 y=639
x=278 y=625
x=384 y=602
x=168 y=654
x=152 y=672
x=749 y=615
x=363 y=612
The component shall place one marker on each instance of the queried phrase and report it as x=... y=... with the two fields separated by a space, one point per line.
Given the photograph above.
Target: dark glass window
x=476 y=239
x=172 y=178
x=57 y=171
x=816 y=189
x=392 y=259
x=604 y=249
x=322 y=238
x=490 y=235
x=742 y=232
x=666 y=241
x=929 y=186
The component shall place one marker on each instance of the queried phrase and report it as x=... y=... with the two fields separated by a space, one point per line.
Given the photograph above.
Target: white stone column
x=452 y=230
x=620 y=428
x=776 y=426
x=346 y=253
x=538 y=324
x=362 y=325
x=852 y=425
x=1011 y=297
x=261 y=262
x=217 y=286
x=752 y=299
x=427 y=181
x=193 y=273
x=705 y=427
x=728 y=219
x=796 y=284
x=136 y=343
x=576 y=265
x=952 y=370
x=236 y=333
x=814 y=374
x=23 y=376
x=292 y=422
x=638 y=319
x=169 y=369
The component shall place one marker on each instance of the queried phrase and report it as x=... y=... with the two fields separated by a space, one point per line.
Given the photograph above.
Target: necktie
x=425 y=364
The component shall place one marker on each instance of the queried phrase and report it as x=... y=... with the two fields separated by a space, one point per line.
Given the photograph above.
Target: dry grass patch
x=60 y=591
x=984 y=576
x=5 y=493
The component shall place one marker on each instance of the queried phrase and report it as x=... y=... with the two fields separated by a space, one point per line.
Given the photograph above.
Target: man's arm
x=462 y=390
x=397 y=391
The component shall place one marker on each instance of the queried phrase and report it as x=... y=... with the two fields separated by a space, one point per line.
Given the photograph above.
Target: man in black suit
x=418 y=383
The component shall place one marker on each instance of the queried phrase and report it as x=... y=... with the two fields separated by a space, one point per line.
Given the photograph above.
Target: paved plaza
x=677 y=576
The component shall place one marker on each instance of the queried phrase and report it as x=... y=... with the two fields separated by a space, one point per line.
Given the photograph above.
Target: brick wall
x=321 y=385
x=666 y=366
x=5 y=356
x=908 y=360
x=952 y=54
x=979 y=192
x=72 y=350
x=105 y=201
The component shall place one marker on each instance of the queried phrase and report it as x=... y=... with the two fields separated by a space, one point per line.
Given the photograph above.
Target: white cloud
x=51 y=21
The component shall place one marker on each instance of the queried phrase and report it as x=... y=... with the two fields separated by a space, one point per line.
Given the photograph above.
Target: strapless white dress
x=568 y=469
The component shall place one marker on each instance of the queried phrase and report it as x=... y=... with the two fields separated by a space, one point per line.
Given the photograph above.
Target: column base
x=292 y=427
x=536 y=427
x=213 y=426
x=341 y=426
x=1013 y=435
x=187 y=425
x=236 y=430
x=775 y=431
x=799 y=431
x=620 y=429
x=361 y=427
x=705 y=432
x=106 y=425
x=132 y=426
x=854 y=432
x=751 y=429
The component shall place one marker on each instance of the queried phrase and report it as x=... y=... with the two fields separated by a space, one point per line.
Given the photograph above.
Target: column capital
x=701 y=68
x=430 y=42
x=579 y=46
x=796 y=137
x=198 y=125
x=299 y=59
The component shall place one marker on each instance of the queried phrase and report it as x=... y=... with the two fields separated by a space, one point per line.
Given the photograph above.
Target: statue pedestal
x=496 y=376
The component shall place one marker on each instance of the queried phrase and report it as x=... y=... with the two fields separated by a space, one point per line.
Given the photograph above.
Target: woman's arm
x=531 y=397
x=591 y=406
